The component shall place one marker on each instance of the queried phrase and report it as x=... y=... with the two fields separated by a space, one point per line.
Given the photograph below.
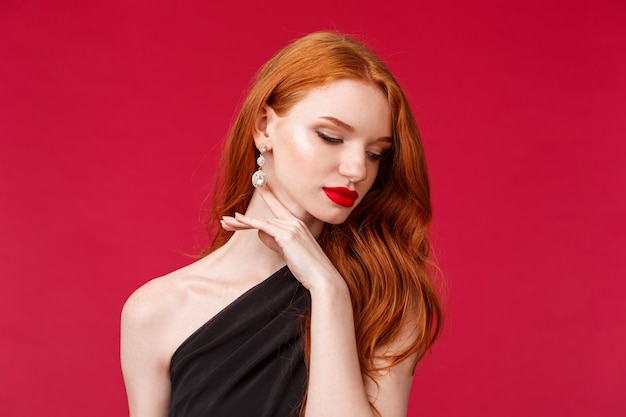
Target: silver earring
x=259 y=179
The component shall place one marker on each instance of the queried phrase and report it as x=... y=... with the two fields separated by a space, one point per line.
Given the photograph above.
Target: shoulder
x=148 y=317
x=157 y=308
x=159 y=297
x=144 y=352
x=166 y=310
x=154 y=314
x=152 y=301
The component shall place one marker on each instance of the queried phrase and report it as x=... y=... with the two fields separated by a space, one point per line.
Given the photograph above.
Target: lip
x=341 y=195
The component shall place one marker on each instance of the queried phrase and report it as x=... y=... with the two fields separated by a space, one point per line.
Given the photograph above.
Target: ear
x=263 y=124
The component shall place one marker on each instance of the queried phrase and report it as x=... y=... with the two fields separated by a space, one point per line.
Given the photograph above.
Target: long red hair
x=382 y=250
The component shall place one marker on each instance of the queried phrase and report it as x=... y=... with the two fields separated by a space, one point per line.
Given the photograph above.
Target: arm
x=146 y=376
x=336 y=385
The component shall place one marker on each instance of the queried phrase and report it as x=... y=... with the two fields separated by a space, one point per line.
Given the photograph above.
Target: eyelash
x=327 y=138
x=373 y=156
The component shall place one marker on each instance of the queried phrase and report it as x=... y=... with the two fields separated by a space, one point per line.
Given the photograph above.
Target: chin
x=336 y=219
x=334 y=222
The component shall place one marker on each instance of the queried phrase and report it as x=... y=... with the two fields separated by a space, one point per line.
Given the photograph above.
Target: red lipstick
x=341 y=195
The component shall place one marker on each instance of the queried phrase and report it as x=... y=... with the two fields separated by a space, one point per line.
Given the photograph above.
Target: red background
x=110 y=118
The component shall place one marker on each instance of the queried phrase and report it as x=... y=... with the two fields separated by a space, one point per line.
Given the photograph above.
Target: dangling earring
x=259 y=179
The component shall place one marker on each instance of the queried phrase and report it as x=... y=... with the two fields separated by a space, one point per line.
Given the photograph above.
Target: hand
x=291 y=238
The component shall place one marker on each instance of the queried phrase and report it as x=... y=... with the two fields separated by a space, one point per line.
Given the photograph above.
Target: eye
x=327 y=138
x=375 y=156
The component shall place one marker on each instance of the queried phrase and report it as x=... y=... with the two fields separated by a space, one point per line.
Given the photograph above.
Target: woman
x=316 y=300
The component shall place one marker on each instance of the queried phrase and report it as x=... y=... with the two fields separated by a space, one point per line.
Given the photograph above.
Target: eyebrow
x=338 y=123
x=348 y=127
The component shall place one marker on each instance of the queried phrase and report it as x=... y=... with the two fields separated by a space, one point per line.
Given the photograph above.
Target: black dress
x=248 y=359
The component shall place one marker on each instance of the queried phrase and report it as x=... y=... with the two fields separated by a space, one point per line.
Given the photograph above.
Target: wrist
x=334 y=289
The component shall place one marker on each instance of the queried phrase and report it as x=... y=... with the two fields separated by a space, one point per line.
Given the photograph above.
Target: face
x=323 y=155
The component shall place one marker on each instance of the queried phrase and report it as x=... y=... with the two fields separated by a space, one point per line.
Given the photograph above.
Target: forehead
x=359 y=104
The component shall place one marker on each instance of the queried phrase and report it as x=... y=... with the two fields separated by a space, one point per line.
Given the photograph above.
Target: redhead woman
x=314 y=298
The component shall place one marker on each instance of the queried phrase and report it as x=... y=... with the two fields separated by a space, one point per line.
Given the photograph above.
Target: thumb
x=270 y=242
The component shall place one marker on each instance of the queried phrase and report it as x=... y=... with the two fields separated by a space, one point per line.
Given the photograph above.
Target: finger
x=270 y=242
x=229 y=228
x=232 y=225
x=277 y=228
x=241 y=220
x=267 y=229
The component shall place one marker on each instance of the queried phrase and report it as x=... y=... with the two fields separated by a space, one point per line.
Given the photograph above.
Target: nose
x=354 y=166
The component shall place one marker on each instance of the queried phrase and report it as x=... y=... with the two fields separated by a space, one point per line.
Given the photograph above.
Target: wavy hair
x=382 y=250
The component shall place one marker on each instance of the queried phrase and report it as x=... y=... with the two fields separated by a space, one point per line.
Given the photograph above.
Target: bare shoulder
x=147 y=339
x=149 y=314
x=159 y=316
x=152 y=302
x=166 y=300
x=165 y=311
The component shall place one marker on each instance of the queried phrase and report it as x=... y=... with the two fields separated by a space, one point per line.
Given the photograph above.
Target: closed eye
x=327 y=138
x=375 y=156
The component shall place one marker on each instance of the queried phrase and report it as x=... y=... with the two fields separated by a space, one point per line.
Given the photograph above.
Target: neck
x=246 y=245
x=246 y=250
x=258 y=208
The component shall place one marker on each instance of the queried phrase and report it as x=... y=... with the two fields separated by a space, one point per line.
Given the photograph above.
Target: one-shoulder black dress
x=248 y=359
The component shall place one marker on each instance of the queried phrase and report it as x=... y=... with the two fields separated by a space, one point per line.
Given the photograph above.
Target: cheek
x=306 y=155
x=301 y=152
